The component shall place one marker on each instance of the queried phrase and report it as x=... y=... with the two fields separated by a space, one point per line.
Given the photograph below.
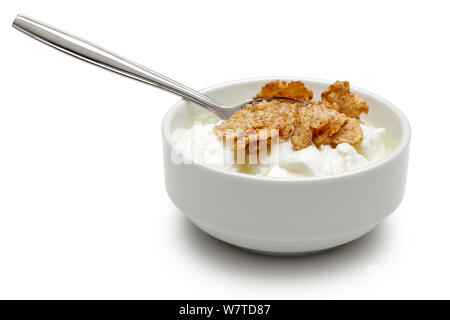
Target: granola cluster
x=293 y=89
x=260 y=122
x=332 y=120
x=350 y=104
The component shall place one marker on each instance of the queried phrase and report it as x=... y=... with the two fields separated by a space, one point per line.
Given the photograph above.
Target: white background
x=83 y=208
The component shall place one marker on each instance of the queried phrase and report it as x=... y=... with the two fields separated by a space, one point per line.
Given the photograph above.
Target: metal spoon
x=98 y=56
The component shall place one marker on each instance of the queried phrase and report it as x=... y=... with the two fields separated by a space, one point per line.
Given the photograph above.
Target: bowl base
x=283 y=248
x=284 y=254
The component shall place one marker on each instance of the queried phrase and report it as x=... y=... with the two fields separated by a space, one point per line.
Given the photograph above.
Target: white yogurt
x=201 y=144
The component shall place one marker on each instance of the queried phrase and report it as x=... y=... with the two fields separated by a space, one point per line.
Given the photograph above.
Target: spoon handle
x=98 y=56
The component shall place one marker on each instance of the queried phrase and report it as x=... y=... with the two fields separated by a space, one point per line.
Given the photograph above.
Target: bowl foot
x=284 y=248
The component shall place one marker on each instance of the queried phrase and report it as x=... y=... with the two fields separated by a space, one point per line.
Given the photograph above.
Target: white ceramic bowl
x=286 y=216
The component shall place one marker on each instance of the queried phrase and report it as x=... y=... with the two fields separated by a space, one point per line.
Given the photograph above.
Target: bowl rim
x=401 y=146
